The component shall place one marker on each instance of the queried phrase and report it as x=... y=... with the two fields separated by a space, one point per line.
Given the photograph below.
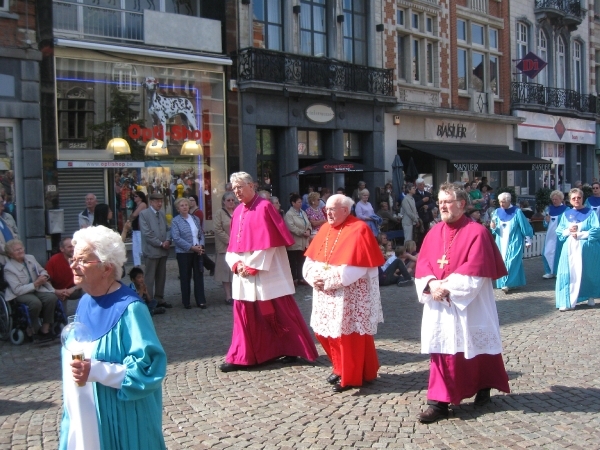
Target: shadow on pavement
x=393 y=383
x=9 y=407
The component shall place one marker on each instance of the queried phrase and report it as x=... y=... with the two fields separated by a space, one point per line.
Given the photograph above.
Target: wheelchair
x=15 y=319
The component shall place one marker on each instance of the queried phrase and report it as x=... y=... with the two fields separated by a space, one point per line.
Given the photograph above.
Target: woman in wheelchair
x=28 y=284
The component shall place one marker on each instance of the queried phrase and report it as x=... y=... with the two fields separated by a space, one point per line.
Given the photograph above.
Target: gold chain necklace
x=442 y=261
x=327 y=258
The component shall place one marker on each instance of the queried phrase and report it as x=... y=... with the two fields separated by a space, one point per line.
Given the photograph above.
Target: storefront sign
x=176 y=133
x=450 y=130
x=531 y=65
x=97 y=164
x=320 y=113
x=544 y=127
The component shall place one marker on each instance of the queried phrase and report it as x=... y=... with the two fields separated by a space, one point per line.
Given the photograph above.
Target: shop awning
x=477 y=157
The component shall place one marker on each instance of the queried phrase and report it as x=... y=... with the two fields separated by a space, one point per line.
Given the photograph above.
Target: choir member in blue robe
x=593 y=202
x=577 y=277
x=552 y=245
x=512 y=232
x=120 y=404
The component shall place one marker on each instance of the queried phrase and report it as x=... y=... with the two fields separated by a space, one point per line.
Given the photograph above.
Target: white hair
x=342 y=200
x=241 y=176
x=419 y=181
x=505 y=196
x=105 y=244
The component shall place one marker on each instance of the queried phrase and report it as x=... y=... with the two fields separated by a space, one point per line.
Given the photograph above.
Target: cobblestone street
x=552 y=360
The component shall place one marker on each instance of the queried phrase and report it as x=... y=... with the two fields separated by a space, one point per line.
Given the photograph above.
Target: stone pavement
x=552 y=359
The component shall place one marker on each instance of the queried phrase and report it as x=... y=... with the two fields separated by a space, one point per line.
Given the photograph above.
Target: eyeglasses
x=81 y=262
x=446 y=202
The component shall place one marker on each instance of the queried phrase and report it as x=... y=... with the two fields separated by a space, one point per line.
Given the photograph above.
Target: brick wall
x=14 y=32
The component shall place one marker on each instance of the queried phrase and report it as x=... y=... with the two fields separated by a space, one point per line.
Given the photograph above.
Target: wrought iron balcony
x=567 y=12
x=547 y=97
x=81 y=21
x=254 y=64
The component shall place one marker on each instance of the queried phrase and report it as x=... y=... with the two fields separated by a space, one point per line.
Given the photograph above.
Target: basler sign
x=450 y=131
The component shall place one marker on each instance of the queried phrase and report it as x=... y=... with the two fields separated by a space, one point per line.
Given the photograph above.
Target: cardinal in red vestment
x=341 y=266
x=460 y=330
x=267 y=323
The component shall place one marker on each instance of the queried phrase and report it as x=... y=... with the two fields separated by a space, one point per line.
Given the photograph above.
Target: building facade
x=20 y=131
x=308 y=84
x=133 y=97
x=557 y=100
x=452 y=73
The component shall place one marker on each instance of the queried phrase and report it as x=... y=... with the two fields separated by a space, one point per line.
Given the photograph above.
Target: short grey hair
x=419 y=181
x=226 y=195
x=558 y=194
x=105 y=244
x=455 y=189
x=341 y=199
x=8 y=247
x=504 y=196
x=179 y=201
x=241 y=176
x=575 y=191
x=363 y=192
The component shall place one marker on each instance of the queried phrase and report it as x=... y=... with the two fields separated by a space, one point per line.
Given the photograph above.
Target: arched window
x=560 y=63
x=577 y=70
x=542 y=52
x=522 y=46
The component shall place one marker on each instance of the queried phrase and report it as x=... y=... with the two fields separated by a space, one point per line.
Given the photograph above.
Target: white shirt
x=468 y=324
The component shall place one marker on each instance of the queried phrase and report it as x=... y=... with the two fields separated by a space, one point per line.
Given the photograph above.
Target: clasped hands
x=438 y=291
x=198 y=249
x=243 y=270
x=573 y=230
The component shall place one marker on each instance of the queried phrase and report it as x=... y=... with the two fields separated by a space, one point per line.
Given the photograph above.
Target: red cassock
x=473 y=252
x=353 y=355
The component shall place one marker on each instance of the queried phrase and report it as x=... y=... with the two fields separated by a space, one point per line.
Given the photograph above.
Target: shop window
x=267 y=24
x=313 y=28
x=352 y=145
x=7 y=174
x=355 y=31
x=309 y=144
x=554 y=178
x=180 y=109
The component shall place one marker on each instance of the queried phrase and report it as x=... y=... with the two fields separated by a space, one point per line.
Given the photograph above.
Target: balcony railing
x=256 y=64
x=568 y=8
x=538 y=94
x=84 y=21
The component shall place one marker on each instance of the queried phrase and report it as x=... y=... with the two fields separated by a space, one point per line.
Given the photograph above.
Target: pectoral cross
x=443 y=261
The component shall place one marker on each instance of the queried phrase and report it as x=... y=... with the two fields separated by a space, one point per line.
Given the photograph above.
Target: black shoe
x=165 y=305
x=229 y=367
x=433 y=414
x=288 y=359
x=43 y=337
x=333 y=378
x=158 y=310
x=403 y=283
x=229 y=301
x=483 y=397
x=202 y=306
x=187 y=306
x=337 y=387
x=212 y=273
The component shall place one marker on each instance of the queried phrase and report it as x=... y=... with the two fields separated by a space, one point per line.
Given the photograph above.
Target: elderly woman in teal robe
x=512 y=232
x=579 y=230
x=112 y=398
x=552 y=245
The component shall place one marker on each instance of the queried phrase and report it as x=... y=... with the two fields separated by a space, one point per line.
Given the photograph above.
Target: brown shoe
x=432 y=414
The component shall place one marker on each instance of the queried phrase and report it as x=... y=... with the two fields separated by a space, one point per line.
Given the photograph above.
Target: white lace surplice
x=469 y=324
x=349 y=303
